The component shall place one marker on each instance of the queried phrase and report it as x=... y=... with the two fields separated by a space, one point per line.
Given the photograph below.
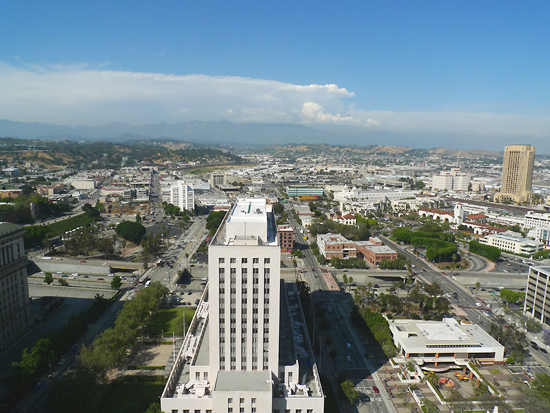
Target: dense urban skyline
x=432 y=69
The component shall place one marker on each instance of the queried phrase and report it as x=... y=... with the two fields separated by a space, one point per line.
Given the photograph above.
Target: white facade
x=517 y=245
x=540 y=235
x=231 y=359
x=443 y=182
x=182 y=195
x=536 y=220
x=245 y=269
x=452 y=180
x=444 y=341
x=83 y=183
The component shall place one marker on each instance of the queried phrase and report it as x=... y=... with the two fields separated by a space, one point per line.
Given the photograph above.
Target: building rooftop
x=243 y=381
x=444 y=333
x=8 y=227
x=381 y=249
x=249 y=221
x=248 y=210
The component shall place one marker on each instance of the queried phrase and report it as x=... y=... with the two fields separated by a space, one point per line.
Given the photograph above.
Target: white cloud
x=314 y=112
x=78 y=95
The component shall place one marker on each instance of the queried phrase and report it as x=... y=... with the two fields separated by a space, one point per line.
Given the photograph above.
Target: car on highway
x=348 y=358
x=375 y=389
x=100 y=279
x=543 y=350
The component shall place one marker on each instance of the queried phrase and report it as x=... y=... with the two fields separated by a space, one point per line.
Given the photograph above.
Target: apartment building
x=183 y=195
x=286 y=237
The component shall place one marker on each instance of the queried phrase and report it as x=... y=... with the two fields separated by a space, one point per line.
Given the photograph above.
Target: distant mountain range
x=228 y=133
x=220 y=132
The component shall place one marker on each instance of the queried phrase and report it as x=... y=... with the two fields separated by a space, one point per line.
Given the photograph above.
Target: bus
x=147 y=283
x=160 y=263
x=143 y=279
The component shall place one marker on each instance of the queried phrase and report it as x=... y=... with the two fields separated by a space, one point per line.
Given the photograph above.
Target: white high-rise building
x=451 y=180
x=182 y=195
x=238 y=355
x=247 y=285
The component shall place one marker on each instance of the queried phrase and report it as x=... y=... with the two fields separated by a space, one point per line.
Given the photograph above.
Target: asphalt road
x=472 y=306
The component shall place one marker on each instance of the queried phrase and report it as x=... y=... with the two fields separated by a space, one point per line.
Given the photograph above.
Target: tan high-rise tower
x=517 y=173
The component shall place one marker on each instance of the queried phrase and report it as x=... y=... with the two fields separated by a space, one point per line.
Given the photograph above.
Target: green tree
x=63 y=282
x=75 y=392
x=429 y=406
x=214 y=220
x=48 y=278
x=510 y=296
x=131 y=231
x=539 y=394
x=154 y=408
x=348 y=388
x=116 y=282
x=34 y=362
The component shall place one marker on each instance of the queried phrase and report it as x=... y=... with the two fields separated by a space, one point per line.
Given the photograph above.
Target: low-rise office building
x=511 y=243
x=444 y=341
x=338 y=246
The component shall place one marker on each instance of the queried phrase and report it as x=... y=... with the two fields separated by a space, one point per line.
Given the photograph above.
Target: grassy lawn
x=170 y=320
x=70 y=223
x=132 y=394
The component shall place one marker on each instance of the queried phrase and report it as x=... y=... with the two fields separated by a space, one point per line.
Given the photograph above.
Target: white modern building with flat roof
x=180 y=194
x=511 y=243
x=247 y=349
x=536 y=220
x=444 y=341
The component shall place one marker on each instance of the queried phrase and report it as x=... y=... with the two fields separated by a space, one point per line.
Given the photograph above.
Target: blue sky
x=467 y=67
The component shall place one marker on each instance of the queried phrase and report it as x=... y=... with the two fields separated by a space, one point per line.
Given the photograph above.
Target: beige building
x=517 y=174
